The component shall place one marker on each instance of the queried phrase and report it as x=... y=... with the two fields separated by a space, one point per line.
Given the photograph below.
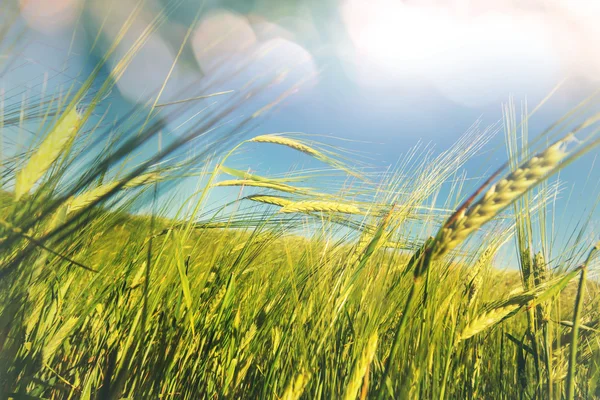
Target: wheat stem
x=576 y=317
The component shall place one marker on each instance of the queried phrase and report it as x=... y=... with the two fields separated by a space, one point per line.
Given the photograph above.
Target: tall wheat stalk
x=469 y=218
x=576 y=323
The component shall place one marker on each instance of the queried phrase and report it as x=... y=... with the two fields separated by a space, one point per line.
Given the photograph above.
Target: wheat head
x=274 y=200
x=499 y=196
x=301 y=147
x=49 y=150
x=267 y=185
x=488 y=318
x=296 y=387
x=360 y=368
x=540 y=276
x=291 y=143
x=475 y=276
x=540 y=269
x=497 y=312
x=89 y=197
x=308 y=206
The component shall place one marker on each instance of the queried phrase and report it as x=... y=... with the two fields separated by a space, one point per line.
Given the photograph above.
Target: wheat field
x=321 y=283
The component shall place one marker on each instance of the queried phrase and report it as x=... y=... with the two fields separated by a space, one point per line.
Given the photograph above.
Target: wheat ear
x=93 y=195
x=296 y=387
x=49 y=150
x=499 y=311
x=274 y=200
x=475 y=276
x=307 y=206
x=267 y=185
x=499 y=196
x=301 y=147
x=489 y=318
x=360 y=369
x=291 y=143
x=541 y=275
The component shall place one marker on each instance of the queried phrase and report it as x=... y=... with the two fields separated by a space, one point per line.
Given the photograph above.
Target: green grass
x=113 y=287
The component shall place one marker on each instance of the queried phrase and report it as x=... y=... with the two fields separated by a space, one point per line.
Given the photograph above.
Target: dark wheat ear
x=499 y=196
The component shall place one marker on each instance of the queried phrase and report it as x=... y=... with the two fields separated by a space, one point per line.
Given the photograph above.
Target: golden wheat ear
x=307 y=206
x=49 y=150
x=306 y=149
x=259 y=184
x=296 y=387
x=361 y=368
x=500 y=311
x=92 y=196
x=470 y=217
x=273 y=200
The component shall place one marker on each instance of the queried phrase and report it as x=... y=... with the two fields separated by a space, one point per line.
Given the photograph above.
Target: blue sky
x=389 y=75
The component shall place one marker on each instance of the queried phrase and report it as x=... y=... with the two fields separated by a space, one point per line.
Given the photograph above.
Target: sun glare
x=471 y=59
x=397 y=36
